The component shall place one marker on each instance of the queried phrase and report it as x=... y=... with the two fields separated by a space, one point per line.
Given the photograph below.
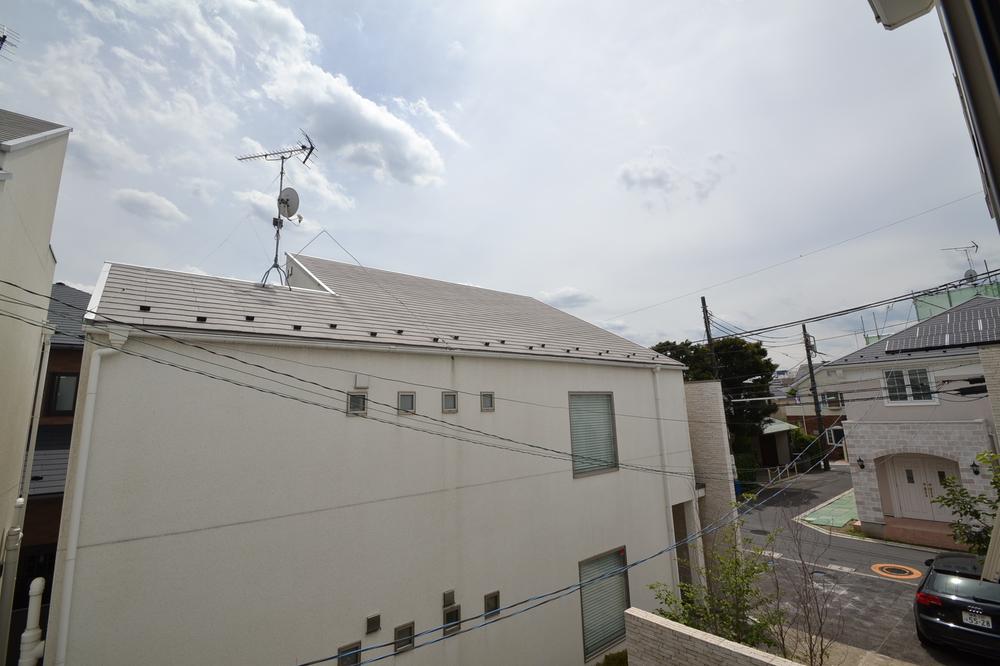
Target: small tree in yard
x=975 y=513
x=735 y=608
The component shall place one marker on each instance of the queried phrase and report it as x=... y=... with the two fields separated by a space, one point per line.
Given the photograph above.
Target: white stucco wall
x=221 y=525
x=27 y=206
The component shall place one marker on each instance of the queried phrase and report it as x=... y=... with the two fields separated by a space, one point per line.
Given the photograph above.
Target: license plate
x=983 y=621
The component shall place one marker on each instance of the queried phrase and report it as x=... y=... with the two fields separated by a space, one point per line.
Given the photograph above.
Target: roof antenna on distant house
x=969 y=250
x=288 y=198
x=8 y=42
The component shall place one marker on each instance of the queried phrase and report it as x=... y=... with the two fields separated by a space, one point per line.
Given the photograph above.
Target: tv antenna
x=969 y=250
x=288 y=198
x=8 y=42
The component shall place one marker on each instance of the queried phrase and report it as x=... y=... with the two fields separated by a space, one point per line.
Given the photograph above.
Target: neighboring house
x=31 y=161
x=914 y=417
x=800 y=410
x=214 y=523
x=51 y=454
x=775 y=442
x=972 y=33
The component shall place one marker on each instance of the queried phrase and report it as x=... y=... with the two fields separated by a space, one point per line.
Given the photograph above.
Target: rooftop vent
x=296 y=327
x=144 y=308
x=503 y=342
x=487 y=343
x=249 y=317
x=333 y=326
x=399 y=331
x=436 y=339
x=201 y=319
x=373 y=333
x=454 y=337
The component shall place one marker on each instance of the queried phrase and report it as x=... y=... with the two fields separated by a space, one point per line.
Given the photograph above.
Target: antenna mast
x=288 y=198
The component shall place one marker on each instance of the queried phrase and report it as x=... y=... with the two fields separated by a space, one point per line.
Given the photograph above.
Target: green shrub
x=746 y=464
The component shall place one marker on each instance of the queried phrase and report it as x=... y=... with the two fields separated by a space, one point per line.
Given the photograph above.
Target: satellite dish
x=288 y=202
x=971 y=275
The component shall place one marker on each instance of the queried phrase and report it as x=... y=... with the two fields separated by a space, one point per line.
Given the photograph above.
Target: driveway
x=873 y=612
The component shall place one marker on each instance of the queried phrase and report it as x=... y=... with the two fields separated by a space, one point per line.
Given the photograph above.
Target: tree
x=734 y=607
x=975 y=513
x=745 y=372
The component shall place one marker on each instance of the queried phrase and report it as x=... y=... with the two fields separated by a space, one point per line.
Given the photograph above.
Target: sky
x=603 y=157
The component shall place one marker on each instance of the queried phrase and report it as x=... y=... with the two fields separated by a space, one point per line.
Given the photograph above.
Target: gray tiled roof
x=17 y=126
x=914 y=342
x=975 y=322
x=436 y=315
x=67 y=316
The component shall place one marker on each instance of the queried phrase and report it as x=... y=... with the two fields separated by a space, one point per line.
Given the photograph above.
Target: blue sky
x=601 y=156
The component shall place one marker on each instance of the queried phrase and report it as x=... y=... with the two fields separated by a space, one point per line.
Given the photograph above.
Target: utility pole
x=708 y=336
x=810 y=350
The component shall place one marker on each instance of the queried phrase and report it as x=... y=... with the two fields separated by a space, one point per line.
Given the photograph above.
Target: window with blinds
x=603 y=602
x=592 y=432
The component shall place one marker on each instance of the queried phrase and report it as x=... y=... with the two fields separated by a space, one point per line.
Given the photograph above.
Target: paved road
x=876 y=612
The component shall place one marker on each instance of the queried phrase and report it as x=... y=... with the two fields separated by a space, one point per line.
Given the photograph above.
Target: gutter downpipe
x=79 y=477
x=668 y=508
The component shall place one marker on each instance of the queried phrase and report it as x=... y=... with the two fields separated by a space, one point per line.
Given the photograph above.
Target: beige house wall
x=28 y=193
x=262 y=530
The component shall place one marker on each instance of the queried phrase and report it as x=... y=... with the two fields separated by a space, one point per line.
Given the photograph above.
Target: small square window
x=349 y=655
x=373 y=623
x=407 y=403
x=403 y=637
x=486 y=402
x=449 y=402
x=357 y=403
x=452 y=620
x=62 y=393
x=491 y=605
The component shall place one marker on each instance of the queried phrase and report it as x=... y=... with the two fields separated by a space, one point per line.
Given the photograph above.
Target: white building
x=915 y=415
x=31 y=161
x=208 y=521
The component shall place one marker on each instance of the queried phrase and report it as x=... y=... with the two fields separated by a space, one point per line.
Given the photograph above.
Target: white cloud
x=148 y=205
x=137 y=63
x=422 y=108
x=259 y=204
x=567 y=297
x=202 y=189
x=657 y=173
x=188 y=268
x=100 y=151
x=456 y=50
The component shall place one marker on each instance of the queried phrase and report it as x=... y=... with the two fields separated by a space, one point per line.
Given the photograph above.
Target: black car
x=955 y=608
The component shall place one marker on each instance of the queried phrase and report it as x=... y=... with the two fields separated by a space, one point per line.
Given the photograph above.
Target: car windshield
x=967 y=588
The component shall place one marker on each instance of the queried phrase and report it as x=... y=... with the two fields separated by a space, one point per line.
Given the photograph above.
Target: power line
x=839 y=313
x=326 y=367
x=552 y=453
x=542 y=599
x=801 y=256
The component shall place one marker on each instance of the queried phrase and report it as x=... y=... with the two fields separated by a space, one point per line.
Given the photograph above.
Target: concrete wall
x=957 y=441
x=710 y=451
x=221 y=525
x=653 y=641
x=27 y=206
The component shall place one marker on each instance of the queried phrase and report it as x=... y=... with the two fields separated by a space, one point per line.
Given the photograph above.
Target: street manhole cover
x=896 y=571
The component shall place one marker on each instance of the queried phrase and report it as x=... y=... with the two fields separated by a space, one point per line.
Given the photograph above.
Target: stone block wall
x=652 y=640
x=959 y=441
